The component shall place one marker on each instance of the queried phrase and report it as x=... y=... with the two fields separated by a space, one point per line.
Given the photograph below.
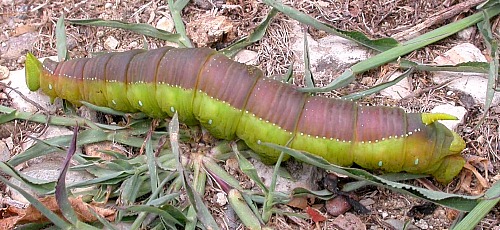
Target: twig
x=436 y=18
x=14 y=203
x=417 y=93
x=24 y=97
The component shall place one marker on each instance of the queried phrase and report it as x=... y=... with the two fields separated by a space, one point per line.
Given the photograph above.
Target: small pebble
x=337 y=206
x=221 y=199
x=4 y=72
x=111 y=43
x=108 y=5
x=166 y=24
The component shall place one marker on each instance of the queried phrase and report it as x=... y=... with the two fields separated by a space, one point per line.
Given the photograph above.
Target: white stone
x=221 y=198
x=466 y=34
x=108 y=5
x=400 y=90
x=474 y=84
x=18 y=82
x=4 y=72
x=248 y=57
x=165 y=23
x=457 y=111
x=111 y=43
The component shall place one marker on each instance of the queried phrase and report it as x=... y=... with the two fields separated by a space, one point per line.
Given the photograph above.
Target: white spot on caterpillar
x=416 y=161
x=210 y=121
x=172 y=109
x=140 y=103
x=380 y=164
x=50 y=86
x=259 y=142
x=113 y=101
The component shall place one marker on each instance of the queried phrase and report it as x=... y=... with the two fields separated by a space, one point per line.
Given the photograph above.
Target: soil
x=29 y=25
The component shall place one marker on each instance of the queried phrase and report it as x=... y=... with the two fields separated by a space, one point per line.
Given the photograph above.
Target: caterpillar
x=233 y=100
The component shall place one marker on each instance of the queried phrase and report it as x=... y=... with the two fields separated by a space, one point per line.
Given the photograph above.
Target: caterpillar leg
x=451 y=166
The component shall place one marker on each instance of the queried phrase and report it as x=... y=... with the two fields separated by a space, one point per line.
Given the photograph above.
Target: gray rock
x=474 y=84
x=399 y=90
x=18 y=82
x=4 y=152
x=457 y=111
x=48 y=169
x=17 y=46
x=467 y=33
x=248 y=57
x=329 y=56
x=399 y=224
x=303 y=176
x=51 y=131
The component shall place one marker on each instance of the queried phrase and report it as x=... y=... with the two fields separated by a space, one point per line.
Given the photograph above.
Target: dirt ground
x=29 y=25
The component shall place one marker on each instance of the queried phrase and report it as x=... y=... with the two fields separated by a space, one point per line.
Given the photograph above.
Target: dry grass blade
x=144 y=29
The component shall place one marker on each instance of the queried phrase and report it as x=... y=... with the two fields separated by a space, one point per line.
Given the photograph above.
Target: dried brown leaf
x=32 y=215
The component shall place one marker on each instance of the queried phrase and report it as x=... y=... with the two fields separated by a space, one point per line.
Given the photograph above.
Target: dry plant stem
x=436 y=18
x=14 y=203
x=419 y=92
x=24 y=97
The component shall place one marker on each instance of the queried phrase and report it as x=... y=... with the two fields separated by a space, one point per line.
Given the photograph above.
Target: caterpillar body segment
x=234 y=100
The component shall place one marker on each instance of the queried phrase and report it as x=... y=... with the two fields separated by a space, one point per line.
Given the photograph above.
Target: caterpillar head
x=451 y=162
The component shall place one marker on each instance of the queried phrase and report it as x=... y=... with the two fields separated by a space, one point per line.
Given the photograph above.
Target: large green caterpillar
x=235 y=100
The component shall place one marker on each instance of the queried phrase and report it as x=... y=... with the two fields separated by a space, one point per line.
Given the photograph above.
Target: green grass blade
x=175 y=11
x=379 y=44
x=140 y=28
x=455 y=201
x=492 y=46
x=466 y=67
x=56 y=220
x=308 y=77
x=492 y=198
x=40 y=186
x=217 y=171
x=247 y=168
x=255 y=36
x=44 y=119
x=150 y=209
x=105 y=222
x=379 y=87
x=243 y=211
x=394 y=53
x=197 y=203
x=153 y=173
x=62 y=51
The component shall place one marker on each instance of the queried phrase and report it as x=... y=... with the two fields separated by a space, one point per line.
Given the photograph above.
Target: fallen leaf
x=32 y=215
x=23 y=30
x=298 y=202
x=315 y=215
